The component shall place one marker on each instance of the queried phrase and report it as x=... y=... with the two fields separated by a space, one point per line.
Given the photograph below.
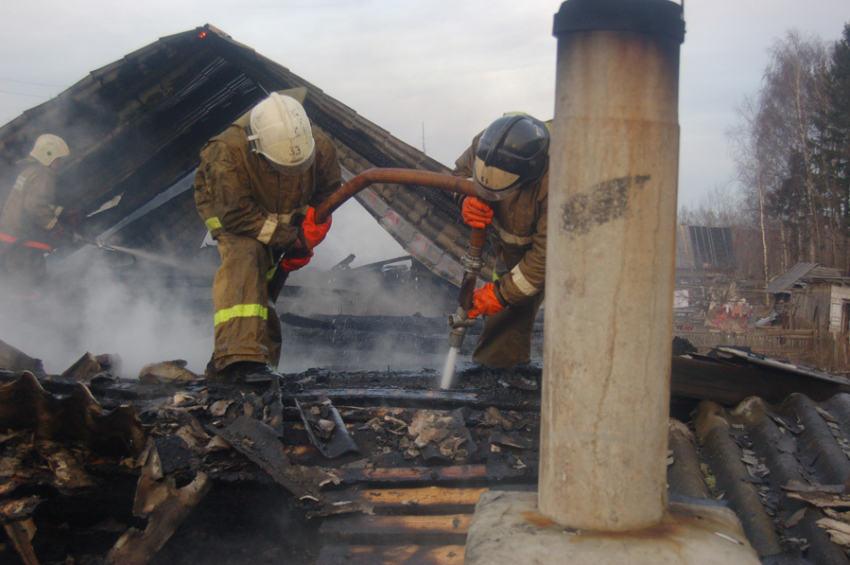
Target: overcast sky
x=446 y=67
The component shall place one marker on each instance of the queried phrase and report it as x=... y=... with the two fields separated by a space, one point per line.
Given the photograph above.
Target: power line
x=23 y=94
x=36 y=83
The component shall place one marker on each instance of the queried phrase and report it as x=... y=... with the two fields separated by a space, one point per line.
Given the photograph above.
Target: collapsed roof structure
x=136 y=127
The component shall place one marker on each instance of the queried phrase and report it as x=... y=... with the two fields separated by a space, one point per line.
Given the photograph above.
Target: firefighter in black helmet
x=509 y=165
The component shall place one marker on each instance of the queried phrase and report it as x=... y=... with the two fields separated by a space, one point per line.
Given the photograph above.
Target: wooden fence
x=769 y=342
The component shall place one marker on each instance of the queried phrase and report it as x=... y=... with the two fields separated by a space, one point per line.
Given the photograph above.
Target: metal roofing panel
x=785 y=281
x=712 y=247
x=700 y=248
x=684 y=256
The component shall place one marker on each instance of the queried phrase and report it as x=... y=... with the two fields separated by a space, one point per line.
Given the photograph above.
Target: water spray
x=150 y=256
x=460 y=321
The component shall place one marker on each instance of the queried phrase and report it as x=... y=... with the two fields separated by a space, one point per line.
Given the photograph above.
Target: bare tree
x=790 y=99
x=752 y=174
x=778 y=169
x=719 y=207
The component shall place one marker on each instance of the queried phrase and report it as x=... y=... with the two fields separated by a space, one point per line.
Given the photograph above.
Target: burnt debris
x=361 y=466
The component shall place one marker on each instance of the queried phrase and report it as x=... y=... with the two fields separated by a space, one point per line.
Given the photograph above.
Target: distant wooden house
x=810 y=296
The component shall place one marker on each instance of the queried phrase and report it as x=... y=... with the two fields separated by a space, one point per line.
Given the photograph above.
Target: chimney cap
x=663 y=17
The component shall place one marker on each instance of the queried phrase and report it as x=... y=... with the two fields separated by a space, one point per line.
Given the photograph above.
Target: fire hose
x=364 y=180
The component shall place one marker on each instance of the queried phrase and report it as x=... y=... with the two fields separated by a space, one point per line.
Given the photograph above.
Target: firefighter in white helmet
x=509 y=165
x=31 y=224
x=255 y=189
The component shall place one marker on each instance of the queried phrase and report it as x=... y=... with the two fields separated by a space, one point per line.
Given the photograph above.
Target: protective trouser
x=23 y=267
x=506 y=337
x=246 y=325
x=22 y=262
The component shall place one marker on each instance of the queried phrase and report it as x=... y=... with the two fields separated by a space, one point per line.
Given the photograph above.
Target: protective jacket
x=518 y=236
x=28 y=217
x=254 y=213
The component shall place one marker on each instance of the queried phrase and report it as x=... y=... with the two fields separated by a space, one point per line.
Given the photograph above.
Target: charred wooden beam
x=731 y=380
x=16 y=517
x=433 y=398
x=163 y=504
x=21 y=534
x=384 y=530
x=415 y=500
x=427 y=475
x=392 y=555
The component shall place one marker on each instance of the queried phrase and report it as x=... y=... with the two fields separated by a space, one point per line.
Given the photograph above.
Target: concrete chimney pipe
x=610 y=264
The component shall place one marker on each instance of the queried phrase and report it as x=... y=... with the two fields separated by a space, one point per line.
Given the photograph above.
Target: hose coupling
x=471 y=263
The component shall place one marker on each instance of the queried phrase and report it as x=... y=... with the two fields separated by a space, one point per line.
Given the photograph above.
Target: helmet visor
x=493 y=183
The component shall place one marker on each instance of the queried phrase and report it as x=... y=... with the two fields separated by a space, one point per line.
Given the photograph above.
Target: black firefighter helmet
x=513 y=150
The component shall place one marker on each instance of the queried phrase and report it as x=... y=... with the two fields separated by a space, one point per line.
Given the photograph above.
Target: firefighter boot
x=251 y=372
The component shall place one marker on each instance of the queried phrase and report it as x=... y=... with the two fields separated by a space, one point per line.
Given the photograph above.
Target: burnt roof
x=135 y=128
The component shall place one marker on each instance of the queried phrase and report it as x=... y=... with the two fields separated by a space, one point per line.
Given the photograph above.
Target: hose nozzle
x=458 y=323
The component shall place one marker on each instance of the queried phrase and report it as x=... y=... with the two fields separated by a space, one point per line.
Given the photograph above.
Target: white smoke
x=87 y=307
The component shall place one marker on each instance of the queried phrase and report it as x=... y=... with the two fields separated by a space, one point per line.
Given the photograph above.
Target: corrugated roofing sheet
x=806 y=272
x=760 y=459
x=785 y=281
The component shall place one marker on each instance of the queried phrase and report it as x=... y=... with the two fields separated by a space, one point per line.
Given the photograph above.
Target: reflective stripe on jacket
x=34 y=244
x=241 y=311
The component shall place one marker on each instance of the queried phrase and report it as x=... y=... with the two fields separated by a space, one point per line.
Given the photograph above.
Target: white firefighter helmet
x=281 y=132
x=48 y=148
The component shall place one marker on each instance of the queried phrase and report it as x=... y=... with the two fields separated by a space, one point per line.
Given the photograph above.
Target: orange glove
x=71 y=217
x=290 y=264
x=485 y=302
x=314 y=233
x=59 y=235
x=475 y=213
